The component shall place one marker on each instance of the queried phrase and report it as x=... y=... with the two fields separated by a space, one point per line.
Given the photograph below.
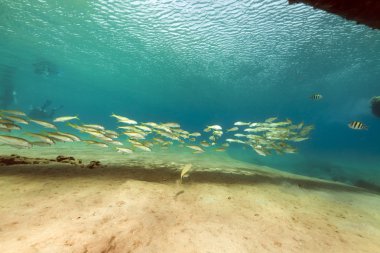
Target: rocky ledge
x=17 y=160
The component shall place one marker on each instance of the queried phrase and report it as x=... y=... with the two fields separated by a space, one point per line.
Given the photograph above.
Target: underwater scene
x=189 y=126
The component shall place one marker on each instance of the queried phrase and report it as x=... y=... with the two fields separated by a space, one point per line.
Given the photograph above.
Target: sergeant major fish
x=316 y=97
x=357 y=125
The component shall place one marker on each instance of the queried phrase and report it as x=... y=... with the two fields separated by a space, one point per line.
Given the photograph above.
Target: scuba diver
x=45 y=68
x=7 y=91
x=42 y=112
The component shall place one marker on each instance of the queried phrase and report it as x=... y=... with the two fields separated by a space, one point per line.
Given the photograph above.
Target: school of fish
x=265 y=138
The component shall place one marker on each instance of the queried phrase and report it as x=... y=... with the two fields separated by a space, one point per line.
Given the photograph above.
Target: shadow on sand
x=167 y=174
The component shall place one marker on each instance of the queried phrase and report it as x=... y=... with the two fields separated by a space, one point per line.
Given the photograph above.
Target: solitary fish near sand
x=185 y=171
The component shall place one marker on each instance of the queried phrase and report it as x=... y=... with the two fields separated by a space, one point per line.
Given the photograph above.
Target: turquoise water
x=201 y=63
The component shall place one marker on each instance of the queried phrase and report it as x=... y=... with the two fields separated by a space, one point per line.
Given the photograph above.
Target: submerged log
x=362 y=11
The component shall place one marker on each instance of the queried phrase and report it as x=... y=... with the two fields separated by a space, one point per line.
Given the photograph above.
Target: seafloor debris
x=17 y=160
x=65 y=159
x=94 y=164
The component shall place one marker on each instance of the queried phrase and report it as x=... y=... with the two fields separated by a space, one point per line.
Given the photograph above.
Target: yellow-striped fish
x=205 y=144
x=17 y=119
x=195 y=134
x=71 y=136
x=232 y=129
x=142 y=147
x=96 y=143
x=196 y=148
x=270 y=120
x=93 y=126
x=240 y=123
x=42 y=137
x=123 y=119
x=10 y=126
x=124 y=150
x=2 y=120
x=65 y=118
x=3 y=129
x=40 y=144
x=59 y=137
x=15 y=141
x=13 y=112
x=43 y=123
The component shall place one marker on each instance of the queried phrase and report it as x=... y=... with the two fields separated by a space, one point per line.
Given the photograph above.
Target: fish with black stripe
x=357 y=125
x=316 y=97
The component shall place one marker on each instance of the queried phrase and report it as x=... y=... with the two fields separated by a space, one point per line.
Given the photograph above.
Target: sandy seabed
x=142 y=207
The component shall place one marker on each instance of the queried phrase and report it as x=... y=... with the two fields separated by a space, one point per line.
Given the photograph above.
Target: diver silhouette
x=7 y=88
x=42 y=112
